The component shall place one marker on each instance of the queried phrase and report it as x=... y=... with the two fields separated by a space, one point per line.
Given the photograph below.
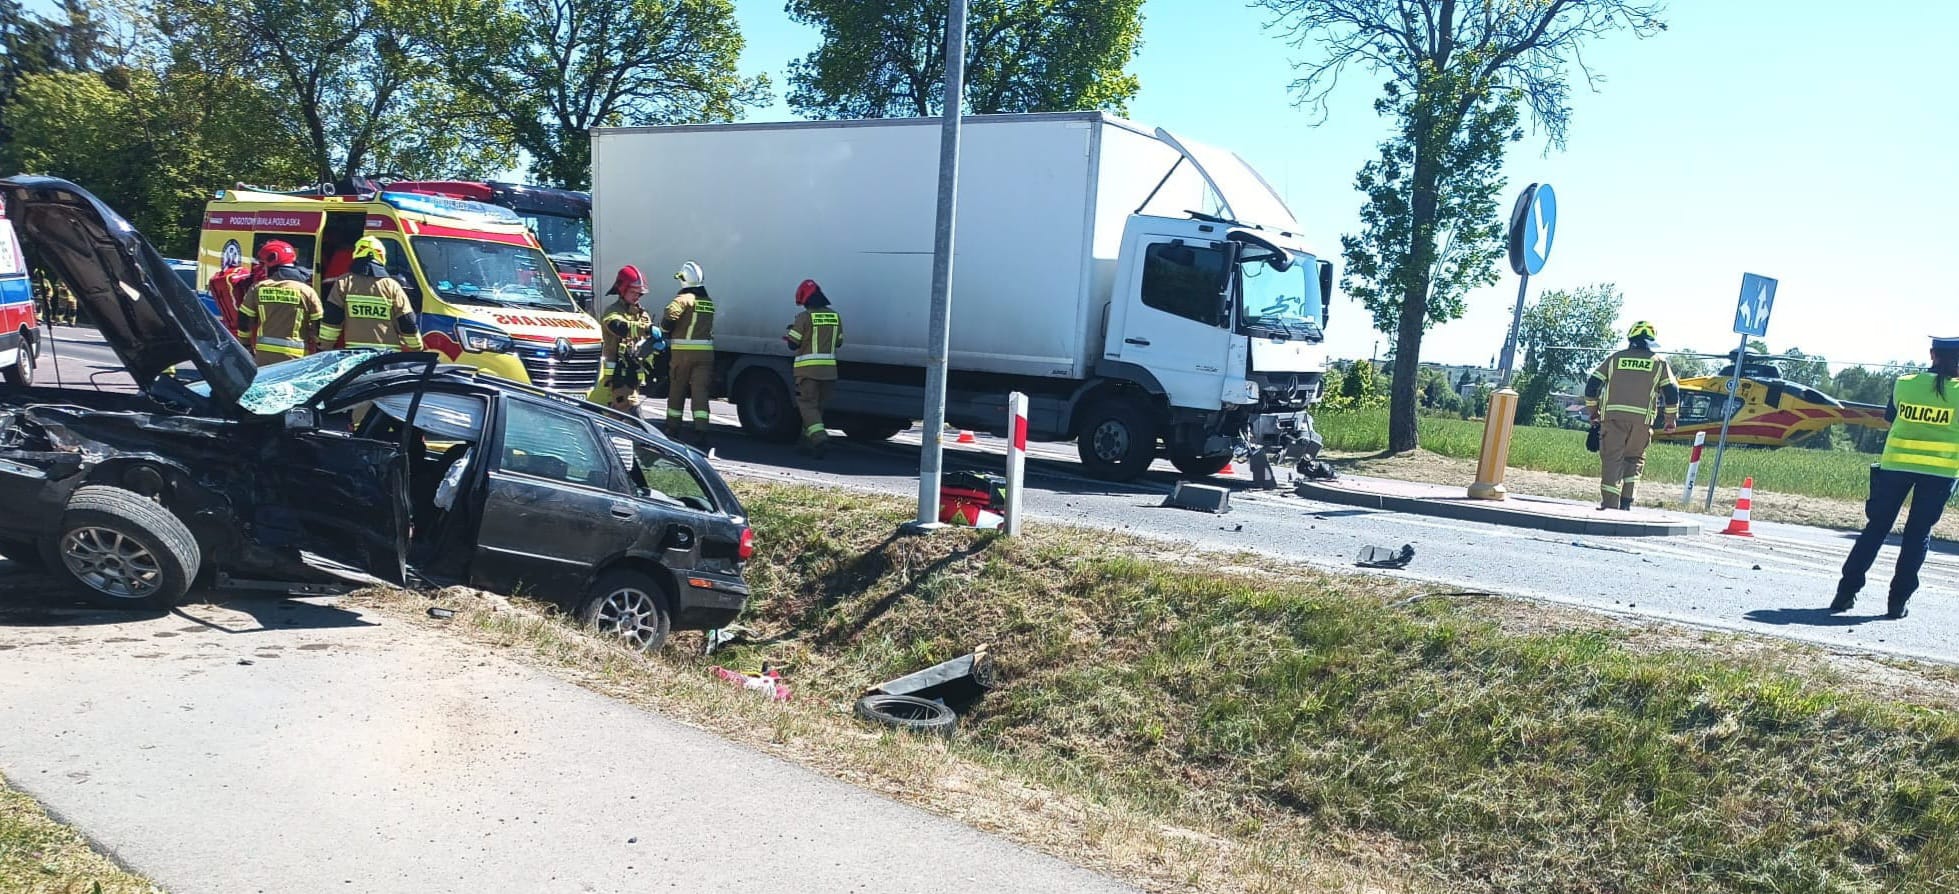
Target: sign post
x=1016 y=459
x=1533 y=224
x=1751 y=321
x=939 y=334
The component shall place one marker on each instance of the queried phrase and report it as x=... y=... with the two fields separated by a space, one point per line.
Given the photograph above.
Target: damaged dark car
x=343 y=468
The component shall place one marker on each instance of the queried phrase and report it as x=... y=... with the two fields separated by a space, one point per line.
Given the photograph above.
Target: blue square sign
x=1753 y=307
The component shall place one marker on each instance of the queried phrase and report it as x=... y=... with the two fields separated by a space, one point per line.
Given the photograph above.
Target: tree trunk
x=1423 y=184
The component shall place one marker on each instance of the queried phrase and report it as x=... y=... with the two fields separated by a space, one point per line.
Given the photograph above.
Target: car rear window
x=547 y=444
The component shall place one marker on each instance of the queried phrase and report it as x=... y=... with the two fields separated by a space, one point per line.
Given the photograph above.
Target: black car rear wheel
x=122 y=549
x=629 y=606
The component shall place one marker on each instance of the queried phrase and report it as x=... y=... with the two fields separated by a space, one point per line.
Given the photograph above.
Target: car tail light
x=746 y=550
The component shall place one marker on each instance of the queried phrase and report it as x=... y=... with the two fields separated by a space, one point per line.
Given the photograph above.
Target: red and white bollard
x=1016 y=459
x=1738 y=525
x=1694 y=466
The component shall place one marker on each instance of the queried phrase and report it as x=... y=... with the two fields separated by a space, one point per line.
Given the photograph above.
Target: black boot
x=1843 y=603
x=1625 y=505
x=1896 y=611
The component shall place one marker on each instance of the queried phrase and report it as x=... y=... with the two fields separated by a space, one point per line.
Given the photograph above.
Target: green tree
x=548 y=71
x=27 y=47
x=1453 y=67
x=1687 y=365
x=1565 y=332
x=1805 y=369
x=886 y=58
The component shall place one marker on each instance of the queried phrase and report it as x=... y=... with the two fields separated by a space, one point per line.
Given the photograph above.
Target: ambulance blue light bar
x=438 y=206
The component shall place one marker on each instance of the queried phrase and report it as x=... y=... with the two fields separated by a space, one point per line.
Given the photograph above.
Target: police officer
x=1626 y=384
x=1920 y=461
x=626 y=325
x=690 y=368
x=281 y=310
x=814 y=337
x=368 y=305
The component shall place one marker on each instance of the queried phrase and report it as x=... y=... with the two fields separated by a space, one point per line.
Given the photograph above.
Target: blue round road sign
x=1533 y=225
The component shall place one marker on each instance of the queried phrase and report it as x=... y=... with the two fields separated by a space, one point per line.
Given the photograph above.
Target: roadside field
x=41 y=856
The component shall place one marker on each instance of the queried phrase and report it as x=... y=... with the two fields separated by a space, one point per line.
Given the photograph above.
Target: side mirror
x=302 y=419
x=1326 y=292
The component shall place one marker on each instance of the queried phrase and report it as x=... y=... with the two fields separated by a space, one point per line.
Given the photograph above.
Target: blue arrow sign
x=1752 y=308
x=1533 y=225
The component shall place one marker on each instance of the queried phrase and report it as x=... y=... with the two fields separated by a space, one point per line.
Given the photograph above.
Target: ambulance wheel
x=765 y=407
x=124 y=550
x=1200 y=466
x=1117 y=439
x=21 y=374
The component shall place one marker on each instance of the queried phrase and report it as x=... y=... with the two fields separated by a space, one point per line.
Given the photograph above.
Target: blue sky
x=1813 y=147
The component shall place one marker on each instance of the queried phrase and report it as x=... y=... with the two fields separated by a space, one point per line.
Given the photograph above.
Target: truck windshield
x=562 y=235
x=1280 y=304
x=491 y=273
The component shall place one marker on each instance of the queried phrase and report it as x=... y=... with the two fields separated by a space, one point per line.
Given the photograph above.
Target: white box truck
x=1148 y=293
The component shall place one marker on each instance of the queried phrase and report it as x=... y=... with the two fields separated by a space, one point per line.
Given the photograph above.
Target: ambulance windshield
x=468 y=271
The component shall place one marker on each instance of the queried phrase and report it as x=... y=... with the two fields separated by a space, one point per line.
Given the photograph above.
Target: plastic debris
x=767 y=683
x=1386 y=557
x=958 y=684
x=1199 y=498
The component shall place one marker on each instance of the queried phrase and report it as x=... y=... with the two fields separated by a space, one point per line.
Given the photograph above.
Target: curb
x=1498 y=513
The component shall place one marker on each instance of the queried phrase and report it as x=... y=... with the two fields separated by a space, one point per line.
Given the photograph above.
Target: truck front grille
x=575 y=374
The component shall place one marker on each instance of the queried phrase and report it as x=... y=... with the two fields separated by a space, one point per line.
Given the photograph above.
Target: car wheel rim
x=111 y=562
x=1111 y=441
x=633 y=616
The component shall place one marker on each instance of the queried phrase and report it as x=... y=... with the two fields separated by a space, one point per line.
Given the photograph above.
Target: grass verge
x=41 y=856
x=1205 y=722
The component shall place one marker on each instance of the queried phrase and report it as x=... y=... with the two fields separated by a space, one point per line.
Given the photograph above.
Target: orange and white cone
x=1738 y=525
x=966 y=437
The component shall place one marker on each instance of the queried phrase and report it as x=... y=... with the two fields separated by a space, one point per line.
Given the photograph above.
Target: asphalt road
x=1773 y=584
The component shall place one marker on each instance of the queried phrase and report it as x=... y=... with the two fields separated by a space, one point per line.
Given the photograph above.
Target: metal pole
x=1727 y=413
x=931 y=447
x=1516 y=329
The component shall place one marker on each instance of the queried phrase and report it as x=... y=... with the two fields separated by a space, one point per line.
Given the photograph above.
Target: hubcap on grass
x=111 y=563
x=632 y=615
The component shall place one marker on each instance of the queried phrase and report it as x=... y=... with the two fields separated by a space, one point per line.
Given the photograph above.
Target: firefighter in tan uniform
x=369 y=306
x=690 y=366
x=281 y=313
x=1620 y=397
x=627 y=325
x=814 y=336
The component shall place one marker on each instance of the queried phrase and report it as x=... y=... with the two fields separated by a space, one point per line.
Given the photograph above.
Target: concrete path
x=296 y=747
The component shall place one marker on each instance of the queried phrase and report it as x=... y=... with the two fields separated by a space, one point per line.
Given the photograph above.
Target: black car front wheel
x=629 y=606
x=122 y=549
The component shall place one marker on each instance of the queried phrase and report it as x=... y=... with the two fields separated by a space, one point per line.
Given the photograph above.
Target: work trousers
x=812 y=395
x=689 y=375
x=1889 y=490
x=1622 y=443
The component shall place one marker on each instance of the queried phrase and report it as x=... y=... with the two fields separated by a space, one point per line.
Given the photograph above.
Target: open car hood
x=151 y=319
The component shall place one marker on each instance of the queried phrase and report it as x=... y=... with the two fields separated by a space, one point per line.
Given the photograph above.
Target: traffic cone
x=1738 y=525
x=1228 y=469
x=966 y=437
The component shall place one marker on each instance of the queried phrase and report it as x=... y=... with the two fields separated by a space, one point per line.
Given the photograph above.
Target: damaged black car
x=340 y=469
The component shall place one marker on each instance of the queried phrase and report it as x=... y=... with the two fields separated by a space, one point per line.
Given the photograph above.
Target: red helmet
x=808 y=288
x=628 y=276
x=278 y=253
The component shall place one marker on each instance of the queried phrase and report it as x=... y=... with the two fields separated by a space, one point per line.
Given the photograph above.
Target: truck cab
x=483 y=291
x=20 y=329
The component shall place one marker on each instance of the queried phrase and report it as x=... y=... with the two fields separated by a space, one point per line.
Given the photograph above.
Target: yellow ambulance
x=484 y=291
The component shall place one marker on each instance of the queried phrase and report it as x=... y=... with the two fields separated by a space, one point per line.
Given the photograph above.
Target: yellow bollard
x=1497 y=423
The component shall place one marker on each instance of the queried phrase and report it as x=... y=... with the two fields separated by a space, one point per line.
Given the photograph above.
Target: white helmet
x=690 y=276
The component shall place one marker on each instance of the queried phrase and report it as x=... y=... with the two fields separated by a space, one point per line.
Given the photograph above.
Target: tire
x=766 y=408
x=1200 y=466
x=123 y=550
x=629 y=606
x=1117 y=439
x=908 y=712
x=872 y=429
x=21 y=374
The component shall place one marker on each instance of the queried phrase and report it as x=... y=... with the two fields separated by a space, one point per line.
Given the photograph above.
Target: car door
x=681 y=524
x=1179 y=325
x=552 y=511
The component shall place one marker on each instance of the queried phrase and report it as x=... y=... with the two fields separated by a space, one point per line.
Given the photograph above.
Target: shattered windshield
x=282 y=386
x=468 y=271
x=1283 y=303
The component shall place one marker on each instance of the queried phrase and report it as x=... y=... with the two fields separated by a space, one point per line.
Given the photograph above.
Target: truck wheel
x=874 y=428
x=629 y=606
x=1117 y=440
x=124 y=550
x=1200 y=466
x=766 y=408
x=21 y=374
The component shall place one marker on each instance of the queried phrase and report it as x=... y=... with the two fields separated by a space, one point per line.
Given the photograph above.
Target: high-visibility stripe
x=1627 y=408
x=814 y=429
x=281 y=342
x=1940 y=448
x=700 y=416
x=1921 y=460
x=692 y=344
x=1610 y=489
x=281 y=350
x=330 y=334
x=412 y=342
x=248 y=310
x=673 y=414
x=816 y=360
x=371 y=344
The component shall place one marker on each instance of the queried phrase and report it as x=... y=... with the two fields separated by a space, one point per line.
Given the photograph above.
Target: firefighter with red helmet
x=630 y=341
x=368 y=305
x=280 y=316
x=814 y=336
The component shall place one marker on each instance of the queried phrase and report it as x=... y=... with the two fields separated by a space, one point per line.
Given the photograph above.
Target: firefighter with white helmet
x=690 y=365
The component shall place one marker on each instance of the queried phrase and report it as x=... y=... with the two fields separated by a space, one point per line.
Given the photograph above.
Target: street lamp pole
x=931 y=446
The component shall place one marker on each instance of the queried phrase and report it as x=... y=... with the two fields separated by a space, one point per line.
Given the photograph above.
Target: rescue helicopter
x=1767 y=410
